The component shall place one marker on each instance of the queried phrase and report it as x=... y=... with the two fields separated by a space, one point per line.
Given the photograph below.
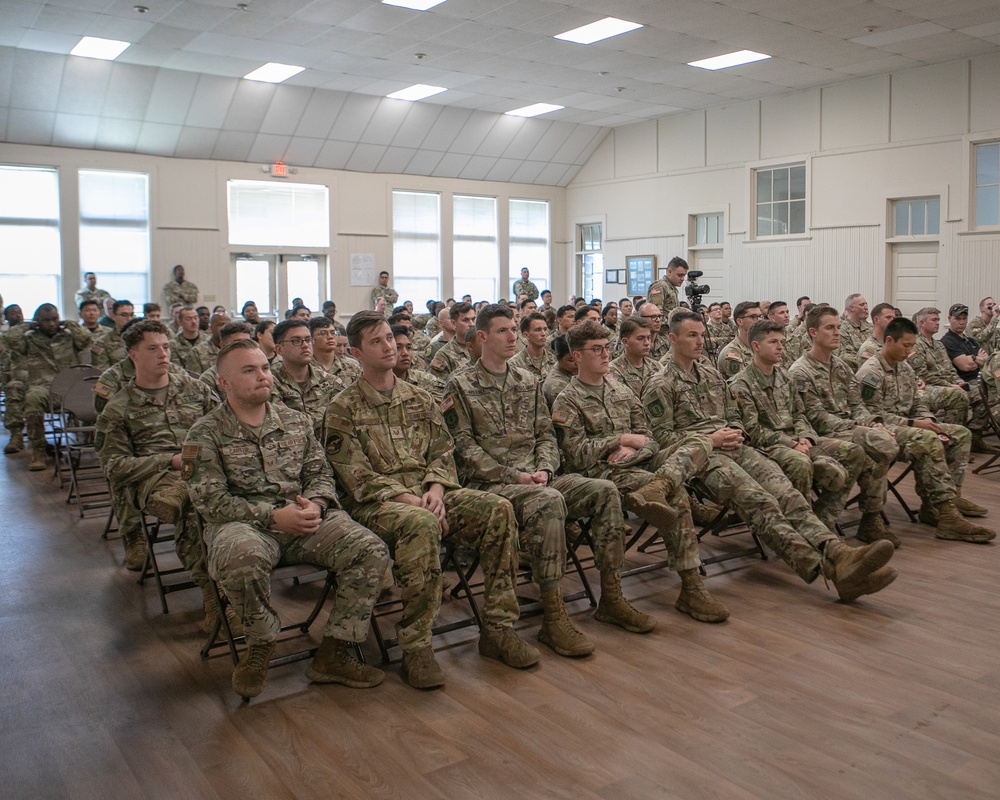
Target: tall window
x=708 y=228
x=589 y=259
x=987 y=184
x=474 y=244
x=114 y=232
x=416 y=246
x=279 y=214
x=31 y=266
x=921 y=217
x=529 y=243
x=781 y=200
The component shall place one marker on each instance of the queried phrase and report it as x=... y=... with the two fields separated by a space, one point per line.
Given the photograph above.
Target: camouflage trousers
x=938 y=468
x=22 y=401
x=830 y=469
x=542 y=512
x=241 y=557
x=186 y=542
x=880 y=452
x=948 y=403
x=480 y=521
x=977 y=423
x=757 y=490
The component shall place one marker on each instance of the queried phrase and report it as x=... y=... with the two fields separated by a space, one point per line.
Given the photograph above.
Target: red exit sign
x=279 y=169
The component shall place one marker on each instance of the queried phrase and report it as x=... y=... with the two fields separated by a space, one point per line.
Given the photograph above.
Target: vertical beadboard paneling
x=978 y=271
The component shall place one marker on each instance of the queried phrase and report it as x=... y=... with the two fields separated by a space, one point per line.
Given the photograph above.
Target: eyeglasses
x=754 y=317
x=298 y=341
x=597 y=349
x=652 y=316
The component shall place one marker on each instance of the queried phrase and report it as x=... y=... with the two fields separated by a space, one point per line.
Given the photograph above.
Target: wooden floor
x=797 y=696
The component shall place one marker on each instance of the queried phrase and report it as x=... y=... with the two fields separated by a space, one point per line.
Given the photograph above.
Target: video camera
x=695 y=291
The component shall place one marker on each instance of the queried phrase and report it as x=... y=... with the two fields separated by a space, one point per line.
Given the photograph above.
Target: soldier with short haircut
x=984 y=328
x=944 y=392
x=562 y=372
x=384 y=291
x=634 y=367
x=404 y=369
x=229 y=333
x=689 y=396
x=717 y=334
x=663 y=292
x=882 y=315
x=536 y=357
x=659 y=344
x=390 y=448
x=204 y=355
x=525 y=286
x=737 y=354
x=939 y=452
x=189 y=336
x=179 y=290
x=454 y=354
x=110 y=348
x=854 y=329
x=89 y=291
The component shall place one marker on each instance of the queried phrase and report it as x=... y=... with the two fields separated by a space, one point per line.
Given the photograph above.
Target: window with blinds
x=529 y=242
x=474 y=245
x=279 y=214
x=416 y=246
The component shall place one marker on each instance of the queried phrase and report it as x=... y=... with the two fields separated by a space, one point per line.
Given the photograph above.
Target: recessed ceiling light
x=272 y=72
x=596 y=31
x=416 y=5
x=729 y=60
x=417 y=92
x=534 y=111
x=93 y=47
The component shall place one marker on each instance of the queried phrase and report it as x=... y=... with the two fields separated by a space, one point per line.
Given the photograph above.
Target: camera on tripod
x=695 y=291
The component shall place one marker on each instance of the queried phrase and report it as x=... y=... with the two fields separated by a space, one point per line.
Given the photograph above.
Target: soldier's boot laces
x=613 y=608
x=873 y=529
x=954 y=527
x=250 y=674
x=849 y=567
x=167 y=505
x=36 y=435
x=420 y=669
x=505 y=645
x=652 y=506
x=696 y=601
x=135 y=550
x=335 y=663
x=16 y=443
x=558 y=632
x=967 y=508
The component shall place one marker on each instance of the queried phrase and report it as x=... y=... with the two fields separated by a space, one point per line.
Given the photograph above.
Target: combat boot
x=657 y=490
x=420 y=669
x=135 y=550
x=505 y=645
x=658 y=514
x=334 y=663
x=704 y=514
x=928 y=514
x=211 y=609
x=967 y=508
x=167 y=504
x=616 y=610
x=558 y=632
x=872 y=529
x=16 y=443
x=875 y=582
x=250 y=674
x=695 y=600
x=953 y=526
x=979 y=445
x=848 y=567
x=36 y=436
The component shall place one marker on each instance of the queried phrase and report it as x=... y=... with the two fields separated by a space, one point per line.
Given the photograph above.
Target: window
x=114 y=232
x=987 y=184
x=31 y=267
x=589 y=237
x=590 y=262
x=921 y=217
x=474 y=245
x=416 y=246
x=253 y=283
x=781 y=200
x=529 y=243
x=708 y=228
x=265 y=213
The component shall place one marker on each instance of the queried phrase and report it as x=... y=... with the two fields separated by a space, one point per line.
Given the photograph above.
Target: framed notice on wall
x=641 y=272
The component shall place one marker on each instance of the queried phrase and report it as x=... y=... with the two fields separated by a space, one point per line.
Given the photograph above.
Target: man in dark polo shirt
x=968 y=357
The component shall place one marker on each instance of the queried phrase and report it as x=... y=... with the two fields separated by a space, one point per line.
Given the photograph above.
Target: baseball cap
x=957 y=310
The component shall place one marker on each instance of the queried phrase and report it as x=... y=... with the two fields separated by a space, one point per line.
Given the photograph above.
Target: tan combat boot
x=657 y=490
x=953 y=526
x=16 y=443
x=558 y=632
x=420 y=669
x=250 y=674
x=872 y=529
x=875 y=582
x=167 y=504
x=211 y=609
x=616 y=610
x=979 y=444
x=695 y=600
x=967 y=508
x=848 y=567
x=505 y=645
x=704 y=514
x=36 y=436
x=658 y=513
x=334 y=663
x=135 y=550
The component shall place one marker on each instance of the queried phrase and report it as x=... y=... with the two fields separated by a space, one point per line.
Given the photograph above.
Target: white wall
x=189 y=219
x=864 y=142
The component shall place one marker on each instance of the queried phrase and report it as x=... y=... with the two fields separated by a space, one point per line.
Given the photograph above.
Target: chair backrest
x=66 y=379
x=984 y=394
x=79 y=401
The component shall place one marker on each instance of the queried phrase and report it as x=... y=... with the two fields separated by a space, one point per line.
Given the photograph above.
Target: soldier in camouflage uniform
x=403 y=319
x=454 y=354
x=325 y=355
x=663 y=292
x=404 y=369
x=737 y=354
x=12 y=377
x=938 y=452
x=659 y=345
x=89 y=291
x=179 y=290
x=258 y=478
x=603 y=433
x=391 y=451
x=537 y=357
x=854 y=329
x=504 y=444
x=110 y=348
x=688 y=397
x=882 y=315
x=774 y=420
x=385 y=291
x=791 y=348
x=944 y=392
x=525 y=286
x=634 y=367
x=984 y=328
x=563 y=371
x=40 y=351
x=718 y=333
x=231 y=332
x=831 y=397
x=204 y=355
x=188 y=337
x=989 y=377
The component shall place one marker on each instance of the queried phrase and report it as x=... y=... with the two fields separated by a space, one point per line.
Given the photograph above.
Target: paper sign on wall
x=362 y=269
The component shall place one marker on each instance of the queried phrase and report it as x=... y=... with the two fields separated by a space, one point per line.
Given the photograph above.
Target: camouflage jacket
x=660 y=348
x=771 y=409
x=346 y=370
x=717 y=336
x=540 y=367
x=830 y=394
x=664 y=295
x=449 y=358
x=108 y=350
x=931 y=363
x=184 y=292
x=678 y=402
x=381 y=447
x=635 y=378
x=181 y=348
x=891 y=392
x=733 y=358
x=557 y=380
x=42 y=357
x=986 y=333
x=321 y=387
x=390 y=295
x=202 y=356
x=526 y=288
x=500 y=425
x=423 y=379
x=869 y=347
x=236 y=474
x=989 y=377
x=97 y=295
x=852 y=336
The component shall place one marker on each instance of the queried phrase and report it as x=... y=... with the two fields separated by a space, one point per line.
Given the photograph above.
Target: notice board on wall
x=641 y=272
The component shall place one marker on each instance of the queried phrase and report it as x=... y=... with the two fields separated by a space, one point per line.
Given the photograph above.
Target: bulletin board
x=641 y=273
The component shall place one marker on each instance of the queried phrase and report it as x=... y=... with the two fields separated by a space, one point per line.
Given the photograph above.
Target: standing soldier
x=110 y=348
x=178 y=290
x=89 y=291
x=392 y=454
x=525 y=286
x=663 y=293
x=634 y=367
x=386 y=292
x=536 y=357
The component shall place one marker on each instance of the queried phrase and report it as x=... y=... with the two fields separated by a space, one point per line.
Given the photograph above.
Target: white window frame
x=398 y=273
x=514 y=269
x=692 y=228
x=582 y=254
x=458 y=237
x=763 y=166
x=974 y=144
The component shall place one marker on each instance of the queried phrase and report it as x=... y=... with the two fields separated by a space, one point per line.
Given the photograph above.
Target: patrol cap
x=957 y=310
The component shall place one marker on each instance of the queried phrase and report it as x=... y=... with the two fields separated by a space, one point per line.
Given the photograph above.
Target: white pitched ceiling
x=177 y=89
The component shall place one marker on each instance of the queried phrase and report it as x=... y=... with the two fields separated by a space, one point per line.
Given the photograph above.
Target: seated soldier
x=717 y=333
x=854 y=329
x=140 y=432
x=943 y=391
x=689 y=396
x=297 y=383
x=402 y=319
x=204 y=355
x=454 y=354
x=404 y=369
x=390 y=448
x=325 y=351
x=504 y=444
x=774 y=420
x=562 y=372
x=881 y=315
x=659 y=343
x=259 y=480
x=189 y=336
x=110 y=348
x=737 y=354
x=536 y=357
x=939 y=452
x=603 y=433
x=229 y=333
x=634 y=367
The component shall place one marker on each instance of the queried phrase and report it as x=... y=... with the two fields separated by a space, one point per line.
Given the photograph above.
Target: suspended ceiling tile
x=171 y=96
x=118 y=134
x=210 y=102
x=83 y=85
x=197 y=16
x=75 y=130
x=503 y=169
x=528 y=171
x=323 y=12
x=167 y=37
x=289 y=31
x=288 y=104
x=423 y=162
x=120 y=28
x=419 y=122
x=466 y=9
x=158 y=139
x=268 y=148
x=354 y=116
x=302 y=151
x=340 y=39
x=451 y=165
x=365 y=157
x=446 y=127
x=345 y=83
x=249 y=105
x=320 y=114
x=518 y=13
x=551 y=141
x=377 y=18
x=128 y=92
x=28 y=126
x=63 y=20
x=19 y=15
x=389 y=118
x=580 y=143
x=6 y=75
x=334 y=154
x=158 y=9
x=395 y=159
x=35 y=81
x=11 y=37
x=197 y=142
x=48 y=41
x=477 y=168
x=232 y=146
x=473 y=132
x=4 y=113
x=551 y=175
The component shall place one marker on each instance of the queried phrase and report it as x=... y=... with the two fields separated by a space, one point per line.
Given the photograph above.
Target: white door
x=914 y=276
x=272 y=281
x=710 y=262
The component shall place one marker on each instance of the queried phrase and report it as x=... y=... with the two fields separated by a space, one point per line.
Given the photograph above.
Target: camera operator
x=664 y=291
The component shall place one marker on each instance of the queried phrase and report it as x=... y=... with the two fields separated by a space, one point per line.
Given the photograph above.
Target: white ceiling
x=177 y=90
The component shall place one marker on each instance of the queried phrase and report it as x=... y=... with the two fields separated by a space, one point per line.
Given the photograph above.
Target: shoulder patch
x=866 y=355
x=655 y=408
x=733 y=354
x=436 y=363
x=448 y=402
x=996 y=373
x=869 y=386
x=801 y=384
x=560 y=417
x=104 y=390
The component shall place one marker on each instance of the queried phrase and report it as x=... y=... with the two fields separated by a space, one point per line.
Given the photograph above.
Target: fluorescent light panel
x=534 y=110
x=94 y=47
x=416 y=5
x=729 y=60
x=596 y=31
x=417 y=92
x=273 y=72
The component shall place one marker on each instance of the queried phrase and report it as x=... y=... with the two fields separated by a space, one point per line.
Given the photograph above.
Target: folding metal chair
x=893 y=486
x=55 y=418
x=158 y=533
x=994 y=431
x=88 y=485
